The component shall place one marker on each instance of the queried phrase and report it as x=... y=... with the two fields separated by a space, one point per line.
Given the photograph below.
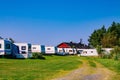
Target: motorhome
x=5 y=47
x=38 y=48
x=88 y=52
x=24 y=50
x=50 y=50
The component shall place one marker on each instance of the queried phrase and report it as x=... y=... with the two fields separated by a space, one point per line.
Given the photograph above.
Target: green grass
x=111 y=64
x=35 y=69
x=92 y=64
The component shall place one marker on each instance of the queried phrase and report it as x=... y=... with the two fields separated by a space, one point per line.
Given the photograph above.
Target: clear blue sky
x=50 y=22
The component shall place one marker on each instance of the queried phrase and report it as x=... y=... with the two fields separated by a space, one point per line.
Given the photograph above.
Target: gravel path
x=86 y=72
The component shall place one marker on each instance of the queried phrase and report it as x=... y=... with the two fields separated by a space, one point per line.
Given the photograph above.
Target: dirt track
x=86 y=72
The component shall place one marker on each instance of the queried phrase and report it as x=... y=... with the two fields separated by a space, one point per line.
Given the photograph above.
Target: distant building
x=72 y=45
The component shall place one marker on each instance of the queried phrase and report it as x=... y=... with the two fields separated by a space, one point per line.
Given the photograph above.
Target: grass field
x=50 y=68
x=111 y=64
x=30 y=69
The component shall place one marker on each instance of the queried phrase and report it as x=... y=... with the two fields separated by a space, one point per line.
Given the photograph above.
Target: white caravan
x=5 y=47
x=38 y=48
x=88 y=52
x=65 y=51
x=24 y=50
x=50 y=50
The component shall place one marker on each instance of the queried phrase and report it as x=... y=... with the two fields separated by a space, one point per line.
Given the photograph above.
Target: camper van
x=88 y=52
x=24 y=50
x=5 y=47
x=38 y=48
x=50 y=50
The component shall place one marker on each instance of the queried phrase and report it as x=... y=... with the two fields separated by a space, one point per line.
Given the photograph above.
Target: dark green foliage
x=95 y=38
x=107 y=56
x=37 y=56
x=115 y=53
x=100 y=51
x=107 y=38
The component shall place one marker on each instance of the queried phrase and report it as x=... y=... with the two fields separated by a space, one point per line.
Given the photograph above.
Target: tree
x=115 y=30
x=96 y=36
x=106 y=37
x=116 y=53
x=109 y=40
x=99 y=51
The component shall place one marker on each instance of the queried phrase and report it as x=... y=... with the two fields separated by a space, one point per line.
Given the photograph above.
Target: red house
x=64 y=45
x=72 y=45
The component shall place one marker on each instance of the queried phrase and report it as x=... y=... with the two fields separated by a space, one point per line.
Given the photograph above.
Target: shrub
x=37 y=56
x=107 y=56
x=116 y=53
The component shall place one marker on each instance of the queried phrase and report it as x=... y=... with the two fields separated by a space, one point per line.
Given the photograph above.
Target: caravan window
x=48 y=48
x=0 y=45
x=91 y=51
x=23 y=48
x=34 y=47
x=85 y=52
x=60 y=50
x=70 y=51
x=23 y=52
x=7 y=46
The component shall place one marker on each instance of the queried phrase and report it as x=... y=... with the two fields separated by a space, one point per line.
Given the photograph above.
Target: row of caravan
x=17 y=50
x=63 y=51
x=67 y=51
x=25 y=50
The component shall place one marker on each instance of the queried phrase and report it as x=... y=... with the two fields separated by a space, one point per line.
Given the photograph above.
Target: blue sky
x=51 y=22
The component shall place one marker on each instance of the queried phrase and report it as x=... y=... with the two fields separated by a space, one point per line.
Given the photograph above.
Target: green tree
x=109 y=40
x=99 y=51
x=96 y=36
x=116 y=53
x=115 y=30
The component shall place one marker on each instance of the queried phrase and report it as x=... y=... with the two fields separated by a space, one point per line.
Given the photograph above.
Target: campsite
x=59 y=68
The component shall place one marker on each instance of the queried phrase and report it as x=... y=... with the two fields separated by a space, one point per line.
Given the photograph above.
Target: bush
x=107 y=56
x=116 y=53
x=37 y=56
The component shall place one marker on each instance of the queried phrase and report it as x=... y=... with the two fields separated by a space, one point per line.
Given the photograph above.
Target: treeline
x=107 y=38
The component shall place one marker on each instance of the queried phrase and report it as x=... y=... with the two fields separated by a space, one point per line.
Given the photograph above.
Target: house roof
x=73 y=45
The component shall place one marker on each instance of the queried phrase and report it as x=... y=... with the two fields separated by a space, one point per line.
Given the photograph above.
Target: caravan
x=24 y=50
x=38 y=48
x=5 y=47
x=50 y=50
x=88 y=52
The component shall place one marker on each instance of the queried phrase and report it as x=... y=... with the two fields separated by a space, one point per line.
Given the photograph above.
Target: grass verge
x=30 y=69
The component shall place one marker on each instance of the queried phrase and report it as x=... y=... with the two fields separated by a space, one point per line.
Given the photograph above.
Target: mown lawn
x=35 y=69
x=112 y=65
